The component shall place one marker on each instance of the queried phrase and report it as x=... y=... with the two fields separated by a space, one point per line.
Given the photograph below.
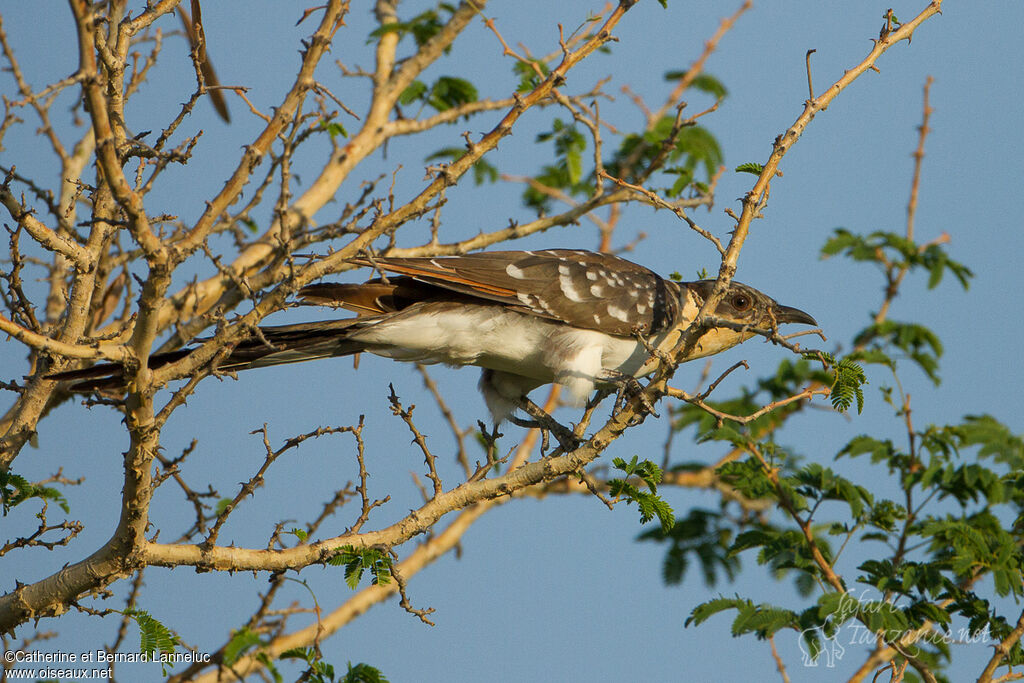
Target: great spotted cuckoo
x=528 y=318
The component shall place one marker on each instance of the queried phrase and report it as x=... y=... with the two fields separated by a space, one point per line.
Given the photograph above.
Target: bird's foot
x=541 y=420
x=627 y=387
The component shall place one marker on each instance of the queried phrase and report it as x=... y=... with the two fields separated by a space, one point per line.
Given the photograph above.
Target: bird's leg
x=566 y=439
x=532 y=424
x=627 y=386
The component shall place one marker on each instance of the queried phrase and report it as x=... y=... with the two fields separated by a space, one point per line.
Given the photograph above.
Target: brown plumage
x=528 y=318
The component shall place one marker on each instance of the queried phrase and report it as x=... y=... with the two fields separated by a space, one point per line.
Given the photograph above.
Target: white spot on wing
x=544 y=305
x=517 y=273
x=618 y=313
x=568 y=285
x=597 y=290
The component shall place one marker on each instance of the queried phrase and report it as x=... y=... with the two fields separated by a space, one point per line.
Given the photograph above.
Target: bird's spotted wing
x=580 y=288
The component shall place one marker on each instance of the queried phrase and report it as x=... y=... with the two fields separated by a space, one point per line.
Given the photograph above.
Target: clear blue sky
x=559 y=589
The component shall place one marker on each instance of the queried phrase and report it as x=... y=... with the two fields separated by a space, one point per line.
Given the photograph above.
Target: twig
x=810 y=83
x=656 y=200
x=779 y=664
x=458 y=432
x=698 y=401
x=418 y=438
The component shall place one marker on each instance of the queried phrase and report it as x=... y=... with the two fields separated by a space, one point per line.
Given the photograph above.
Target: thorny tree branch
x=119 y=215
x=119 y=205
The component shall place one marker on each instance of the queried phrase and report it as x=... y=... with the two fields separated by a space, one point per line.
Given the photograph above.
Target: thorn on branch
x=810 y=83
x=418 y=438
x=404 y=602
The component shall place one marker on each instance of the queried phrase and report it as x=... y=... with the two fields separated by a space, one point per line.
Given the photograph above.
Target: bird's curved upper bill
x=788 y=314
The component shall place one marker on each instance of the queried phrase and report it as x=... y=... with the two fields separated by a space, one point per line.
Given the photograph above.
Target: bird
x=572 y=317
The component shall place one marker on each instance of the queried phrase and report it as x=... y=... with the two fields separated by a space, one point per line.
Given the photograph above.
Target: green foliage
x=569 y=145
x=790 y=378
x=748 y=478
x=222 y=505
x=694 y=148
x=446 y=93
x=891 y=249
x=414 y=92
x=704 y=82
x=333 y=129
x=977 y=543
x=16 y=489
x=363 y=673
x=567 y=173
x=762 y=620
x=919 y=343
x=527 y=75
x=704 y=534
x=422 y=27
x=359 y=560
x=781 y=549
x=821 y=483
x=650 y=504
x=242 y=640
x=933 y=531
x=153 y=636
x=319 y=671
x=881 y=450
x=994 y=439
x=271 y=668
x=750 y=167
x=934 y=588
x=848 y=380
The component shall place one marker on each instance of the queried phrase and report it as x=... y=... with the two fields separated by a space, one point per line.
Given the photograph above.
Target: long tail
x=373 y=301
x=275 y=346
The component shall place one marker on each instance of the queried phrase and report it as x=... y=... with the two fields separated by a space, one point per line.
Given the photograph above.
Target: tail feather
x=377 y=297
x=373 y=301
x=275 y=346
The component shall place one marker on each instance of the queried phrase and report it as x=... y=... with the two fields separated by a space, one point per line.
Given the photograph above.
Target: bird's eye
x=741 y=302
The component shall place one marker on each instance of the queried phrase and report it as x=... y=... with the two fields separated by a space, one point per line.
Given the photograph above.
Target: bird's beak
x=788 y=314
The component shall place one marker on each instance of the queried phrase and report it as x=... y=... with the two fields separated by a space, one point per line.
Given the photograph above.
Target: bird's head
x=744 y=306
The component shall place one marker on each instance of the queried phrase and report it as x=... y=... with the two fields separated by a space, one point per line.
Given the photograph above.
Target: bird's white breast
x=488 y=336
x=524 y=350
x=500 y=339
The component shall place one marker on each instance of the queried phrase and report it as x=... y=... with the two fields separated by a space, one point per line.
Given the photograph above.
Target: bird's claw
x=541 y=420
x=627 y=387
